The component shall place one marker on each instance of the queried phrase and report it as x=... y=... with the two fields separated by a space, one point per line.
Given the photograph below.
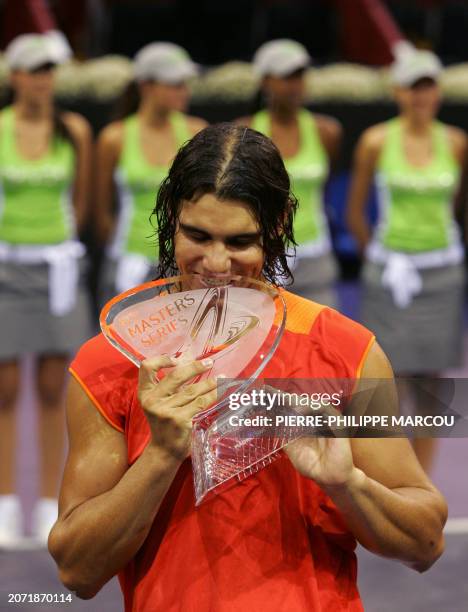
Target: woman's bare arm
x=331 y=136
x=82 y=137
x=108 y=151
x=365 y=159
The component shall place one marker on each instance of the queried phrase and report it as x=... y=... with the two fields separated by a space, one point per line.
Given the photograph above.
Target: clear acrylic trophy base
x=223 y=454
x=237 y=322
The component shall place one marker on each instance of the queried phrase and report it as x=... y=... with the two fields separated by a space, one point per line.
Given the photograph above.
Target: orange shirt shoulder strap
x=108 y=378
x=335 y=333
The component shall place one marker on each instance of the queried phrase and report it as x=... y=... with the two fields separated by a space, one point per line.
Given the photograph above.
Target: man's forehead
x=208 y=210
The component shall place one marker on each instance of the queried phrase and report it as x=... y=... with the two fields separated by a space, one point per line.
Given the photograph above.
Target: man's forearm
x=404 y=523
x=99 y=537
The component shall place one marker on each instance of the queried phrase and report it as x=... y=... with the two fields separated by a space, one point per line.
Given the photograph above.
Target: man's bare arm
x=107 y=508
x=389 y=503
x=385 y=498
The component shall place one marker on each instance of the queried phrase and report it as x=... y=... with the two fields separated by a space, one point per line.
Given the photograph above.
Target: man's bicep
x=97 y=457
x=389 y=460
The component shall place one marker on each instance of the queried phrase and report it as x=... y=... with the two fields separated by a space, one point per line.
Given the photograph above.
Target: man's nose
x=217 y=259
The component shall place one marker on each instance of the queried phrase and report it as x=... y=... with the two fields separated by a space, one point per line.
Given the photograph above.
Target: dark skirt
x=26 y=323
x=426 y=337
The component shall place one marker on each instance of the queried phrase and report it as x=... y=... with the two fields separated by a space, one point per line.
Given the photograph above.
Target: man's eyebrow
x=191 y=228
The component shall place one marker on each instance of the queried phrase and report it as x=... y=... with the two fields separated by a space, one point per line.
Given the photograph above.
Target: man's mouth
x=215 y=281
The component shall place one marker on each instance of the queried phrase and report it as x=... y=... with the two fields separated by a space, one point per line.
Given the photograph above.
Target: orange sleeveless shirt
x=272 y=542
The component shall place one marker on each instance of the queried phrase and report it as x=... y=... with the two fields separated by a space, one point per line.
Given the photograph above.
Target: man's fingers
x=150 y=367
x=174 y=379
x=171 y=408
x=202 y=402
x=190 y=393
x=184 y=396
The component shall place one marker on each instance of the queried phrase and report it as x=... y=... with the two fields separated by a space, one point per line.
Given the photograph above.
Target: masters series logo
x=210 y=329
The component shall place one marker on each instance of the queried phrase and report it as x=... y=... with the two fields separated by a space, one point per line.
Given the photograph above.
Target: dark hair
x=127 y=103
x=233 y=163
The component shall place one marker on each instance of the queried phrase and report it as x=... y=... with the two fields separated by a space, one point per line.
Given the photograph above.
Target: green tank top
x=308 y=171
x=35 y=195
x=415 y=204
x=138 y=182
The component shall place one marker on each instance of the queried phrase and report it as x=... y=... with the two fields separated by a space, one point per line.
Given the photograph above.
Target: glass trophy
x=236 y=321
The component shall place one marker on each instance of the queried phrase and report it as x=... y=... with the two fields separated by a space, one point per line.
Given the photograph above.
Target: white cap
x=413 y=65
x=164 y=62
x=280 y=58
x=30 y=51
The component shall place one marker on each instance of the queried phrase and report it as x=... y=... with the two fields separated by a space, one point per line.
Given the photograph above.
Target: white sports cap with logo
x=280 y=58
x=31 y=51
x=163 y=62
x=415 y=65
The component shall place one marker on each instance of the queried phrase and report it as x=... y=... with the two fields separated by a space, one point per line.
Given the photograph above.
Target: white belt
x=132 y=270
x=319 y=247
x=63 y=269
x=401 y=270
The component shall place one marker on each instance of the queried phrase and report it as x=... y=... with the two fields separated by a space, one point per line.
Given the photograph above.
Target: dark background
x=215 y=31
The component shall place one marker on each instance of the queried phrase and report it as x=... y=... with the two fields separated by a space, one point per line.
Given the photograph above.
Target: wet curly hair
x=232 y=163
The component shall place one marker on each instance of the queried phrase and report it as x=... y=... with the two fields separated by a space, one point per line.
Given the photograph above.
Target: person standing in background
x=134 y=154
x=44 y=309
x=413 y=274
x=309 y=144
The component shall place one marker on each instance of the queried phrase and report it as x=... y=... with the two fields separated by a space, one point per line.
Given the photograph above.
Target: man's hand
x=169 y=406
x=328 y=461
